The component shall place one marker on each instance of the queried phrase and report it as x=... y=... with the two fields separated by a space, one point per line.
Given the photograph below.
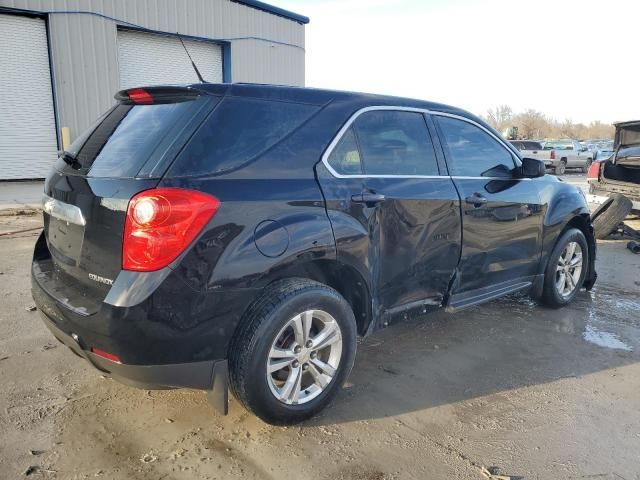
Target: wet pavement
x=522 y=390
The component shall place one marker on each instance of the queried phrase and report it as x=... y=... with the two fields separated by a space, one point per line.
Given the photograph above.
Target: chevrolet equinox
x=228 y=235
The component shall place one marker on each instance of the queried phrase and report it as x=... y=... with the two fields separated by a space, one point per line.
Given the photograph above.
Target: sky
x=575 y=60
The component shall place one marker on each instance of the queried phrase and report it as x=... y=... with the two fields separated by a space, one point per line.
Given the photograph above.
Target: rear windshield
x=558 y=146
x=128 y=139
x=238 y=131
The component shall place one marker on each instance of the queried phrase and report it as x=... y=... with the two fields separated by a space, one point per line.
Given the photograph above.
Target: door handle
x=476 y=199
x=368 y=198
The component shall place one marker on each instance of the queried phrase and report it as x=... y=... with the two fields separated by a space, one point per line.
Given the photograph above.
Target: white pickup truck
x=559 y=155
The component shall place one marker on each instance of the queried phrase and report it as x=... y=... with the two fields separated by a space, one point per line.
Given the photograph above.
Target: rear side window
x=385 y=142
x=395 y=143
x=128 y=137
x=472 y=152
x=236 y=132
x=345 y=157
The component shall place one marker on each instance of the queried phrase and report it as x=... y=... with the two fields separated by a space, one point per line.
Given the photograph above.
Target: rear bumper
x=199 y=375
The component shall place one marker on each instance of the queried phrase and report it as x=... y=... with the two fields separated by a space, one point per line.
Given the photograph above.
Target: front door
x=392 y=211
x=502 y=214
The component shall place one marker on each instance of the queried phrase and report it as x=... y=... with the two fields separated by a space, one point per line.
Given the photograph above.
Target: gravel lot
x=519 y=389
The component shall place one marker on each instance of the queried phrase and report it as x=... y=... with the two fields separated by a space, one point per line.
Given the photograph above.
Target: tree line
x=532 y=124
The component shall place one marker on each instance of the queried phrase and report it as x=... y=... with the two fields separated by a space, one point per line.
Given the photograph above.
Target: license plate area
x=65 y=241
x=64 y=226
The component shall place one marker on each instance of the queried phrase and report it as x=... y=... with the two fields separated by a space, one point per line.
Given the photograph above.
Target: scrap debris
x=492 y=476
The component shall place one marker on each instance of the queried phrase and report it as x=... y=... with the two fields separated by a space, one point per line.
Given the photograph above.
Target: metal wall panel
x=85 y=54
x=28 y=145
x=150 y=59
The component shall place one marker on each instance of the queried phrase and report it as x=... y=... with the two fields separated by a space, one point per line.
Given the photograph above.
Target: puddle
x=604 y=339
x=605 y=317
x=613 y=319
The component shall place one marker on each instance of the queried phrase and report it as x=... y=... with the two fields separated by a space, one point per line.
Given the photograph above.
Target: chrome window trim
x=327 y=153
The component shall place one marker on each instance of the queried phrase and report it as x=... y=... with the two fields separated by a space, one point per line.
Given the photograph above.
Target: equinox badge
x=99 y=279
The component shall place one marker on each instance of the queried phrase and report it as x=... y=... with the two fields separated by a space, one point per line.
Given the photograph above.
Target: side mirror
x=532 y=168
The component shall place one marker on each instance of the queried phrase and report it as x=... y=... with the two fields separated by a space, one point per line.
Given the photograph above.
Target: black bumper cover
x=209 y=375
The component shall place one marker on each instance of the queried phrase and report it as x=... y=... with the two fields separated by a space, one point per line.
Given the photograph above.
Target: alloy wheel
x=304 y=357
x=569 y=269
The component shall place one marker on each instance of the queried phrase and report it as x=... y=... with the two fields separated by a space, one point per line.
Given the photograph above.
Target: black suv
x=246 y=234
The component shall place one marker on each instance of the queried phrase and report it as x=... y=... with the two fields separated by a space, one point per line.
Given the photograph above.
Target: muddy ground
x=525 y=391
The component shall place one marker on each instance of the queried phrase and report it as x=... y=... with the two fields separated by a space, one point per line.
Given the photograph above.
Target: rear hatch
x=621 y=174
x=86 y=196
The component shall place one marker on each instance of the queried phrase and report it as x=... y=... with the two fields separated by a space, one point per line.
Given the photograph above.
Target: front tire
x=566 y=269
x=293 y=350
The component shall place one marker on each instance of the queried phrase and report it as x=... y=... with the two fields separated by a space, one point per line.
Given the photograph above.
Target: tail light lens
x=594 y=171
x=553 y=155
x=161 y=223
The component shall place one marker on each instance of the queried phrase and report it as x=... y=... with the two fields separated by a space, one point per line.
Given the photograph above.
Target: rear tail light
x=594 y=171
x=161 y=223
x=107 y=355
x=140 y=96
x=552 y=155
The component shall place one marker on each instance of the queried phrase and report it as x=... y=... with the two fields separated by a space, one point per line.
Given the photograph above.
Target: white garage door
x=28 y=146
x=149 y=59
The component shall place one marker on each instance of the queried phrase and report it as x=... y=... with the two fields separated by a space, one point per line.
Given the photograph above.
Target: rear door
x=501 y=213
x=391 y=208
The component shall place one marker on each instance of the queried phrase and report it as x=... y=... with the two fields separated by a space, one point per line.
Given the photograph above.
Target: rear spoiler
x=156 y=95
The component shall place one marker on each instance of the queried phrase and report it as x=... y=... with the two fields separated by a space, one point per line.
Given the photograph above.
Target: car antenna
x=192 y=62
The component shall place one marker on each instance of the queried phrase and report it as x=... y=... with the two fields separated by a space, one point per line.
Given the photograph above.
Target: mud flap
x=218 y=396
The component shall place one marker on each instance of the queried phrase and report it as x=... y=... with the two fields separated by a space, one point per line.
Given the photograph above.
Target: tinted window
x=126 y=138
x=472 y=151
x=237 y=131
x=345 y=157
x=533 y=146
x=558 y=146
x=519 y=145
x=395 y=143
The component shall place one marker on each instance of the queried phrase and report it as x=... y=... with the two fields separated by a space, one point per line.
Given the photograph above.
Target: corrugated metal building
x=61 y=61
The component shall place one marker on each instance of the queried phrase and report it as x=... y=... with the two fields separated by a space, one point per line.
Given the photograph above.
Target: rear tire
x=585 y=169
x=272 y=333
x=610 y=214
x=566 y=269
x=561 y=168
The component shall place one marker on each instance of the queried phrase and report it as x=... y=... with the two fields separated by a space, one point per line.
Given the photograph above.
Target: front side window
x=472 y=152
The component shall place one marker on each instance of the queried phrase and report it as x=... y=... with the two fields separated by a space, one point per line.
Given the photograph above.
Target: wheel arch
x=582 y=222
x=343 y=278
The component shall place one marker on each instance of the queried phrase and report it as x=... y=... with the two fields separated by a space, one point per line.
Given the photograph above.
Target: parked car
x=247 y=234
x=529 y=148
x=603 y=154
x=562 y=154
x=620 y=172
